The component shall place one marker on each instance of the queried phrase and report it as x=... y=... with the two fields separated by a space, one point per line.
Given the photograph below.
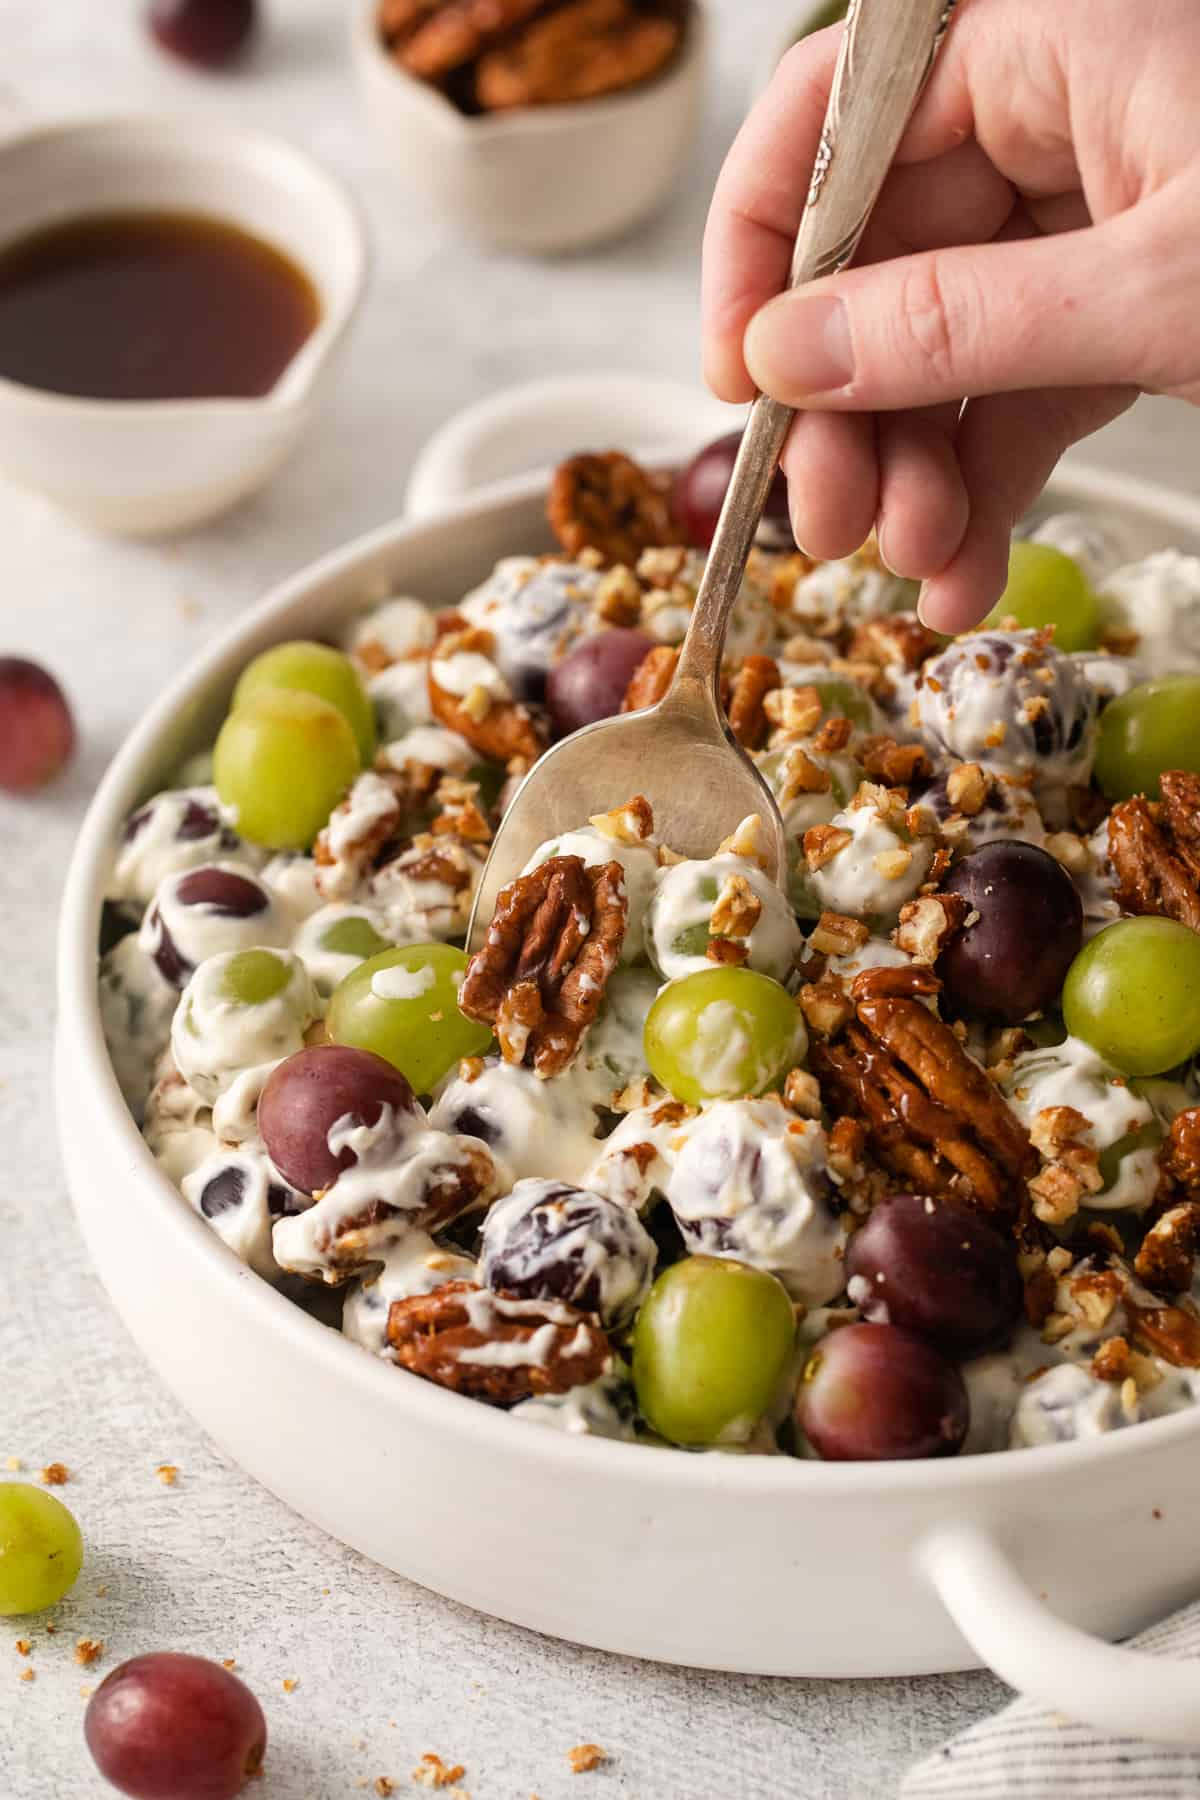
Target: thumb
x=1083 y=309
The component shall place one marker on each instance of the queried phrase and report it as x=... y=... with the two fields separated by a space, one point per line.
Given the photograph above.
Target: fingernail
x=881 y=537
x=924 y=612
x=799 y=346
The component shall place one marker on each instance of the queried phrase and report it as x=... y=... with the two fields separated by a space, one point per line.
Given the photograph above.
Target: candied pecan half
x=494 y=1346
x=1166 y=1258
x=432 y=41
x=756 y=677
x=1155 y=850
x=552 y=944
x=498 y=729
x=605 y=501
x=1179 y=1158
x=581 y=50
x=932 y=1114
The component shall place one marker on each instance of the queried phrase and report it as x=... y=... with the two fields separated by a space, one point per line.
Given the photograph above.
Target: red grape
x=590 y=683
x=1013 y=960
x=209 y=32
x=307 y=1095
x=170 y=1727
x=937 y=1270
x=874 y=1393
x=37 y=732
x=699 y=492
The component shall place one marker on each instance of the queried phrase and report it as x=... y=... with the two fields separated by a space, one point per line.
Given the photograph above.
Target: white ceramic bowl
x=154 y=466
x=532 y=425
x=745 y=1563
x=542 y=179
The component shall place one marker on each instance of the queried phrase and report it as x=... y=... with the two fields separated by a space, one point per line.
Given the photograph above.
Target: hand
x=1035 y=250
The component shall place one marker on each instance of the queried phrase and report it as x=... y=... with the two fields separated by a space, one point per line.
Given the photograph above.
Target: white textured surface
x=215 y=1565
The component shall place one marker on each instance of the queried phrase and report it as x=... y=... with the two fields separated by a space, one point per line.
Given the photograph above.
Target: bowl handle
x=1119 y=1692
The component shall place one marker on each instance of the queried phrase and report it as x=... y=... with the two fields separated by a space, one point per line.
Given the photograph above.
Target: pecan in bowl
x=1154 y=847
x=607 y=503
x=553 y=942
x=495 y=1347
x=932 y=1115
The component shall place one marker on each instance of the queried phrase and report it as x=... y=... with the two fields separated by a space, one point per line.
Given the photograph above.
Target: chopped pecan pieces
x=932 y=1114
x=755 y=679
x=823 y=842
x=895 y=641
x=796 y=711
x=928 y=924
x=651 y=679
x=736 y=910
x=726 y=952
x=607 y=502
x=895 y=765
x=493 y=1346
x=833 y=736
x=553 y=943
x=498 y=729
x=835 y=934
x=1154 y=847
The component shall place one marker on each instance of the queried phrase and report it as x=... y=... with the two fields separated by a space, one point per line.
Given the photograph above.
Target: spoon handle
x=887 y=51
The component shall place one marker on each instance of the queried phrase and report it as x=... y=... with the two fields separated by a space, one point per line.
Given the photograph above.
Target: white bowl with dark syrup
x=171 y=295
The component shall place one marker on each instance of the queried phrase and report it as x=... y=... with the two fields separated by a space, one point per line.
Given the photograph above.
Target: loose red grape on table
x=37 y=732
x=171 y=1727
x=209 y=33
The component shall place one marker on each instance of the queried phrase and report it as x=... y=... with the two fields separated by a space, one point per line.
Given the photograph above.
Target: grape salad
x=898 y=1159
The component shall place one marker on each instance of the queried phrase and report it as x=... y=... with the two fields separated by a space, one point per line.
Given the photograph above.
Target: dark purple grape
x=935 y=1269
x=699 y=493
x=37 y=732
x=178 y=921
x=208 y=32
x=171 y=1727
x=874 y=1393
x=590 y=683
x=306 y=1096
x=550 y=1241
x=1013 y=960
x=222 y=891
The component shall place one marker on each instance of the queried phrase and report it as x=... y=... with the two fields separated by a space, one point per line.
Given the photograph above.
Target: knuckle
x=939 y=317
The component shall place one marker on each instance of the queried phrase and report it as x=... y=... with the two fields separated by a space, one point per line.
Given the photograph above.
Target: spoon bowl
x=679 y=755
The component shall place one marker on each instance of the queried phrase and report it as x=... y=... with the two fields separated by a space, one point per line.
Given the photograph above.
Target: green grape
x=253 y=977
x=282 y=762
x=844 y=699
x=41 y=1549
x=711 y=1348
x=1047 y=587
x=403 y=1005
x=1133 y=994
x=353 y=937
x=1155 y=726
x=722 y=1033
x=314 y=669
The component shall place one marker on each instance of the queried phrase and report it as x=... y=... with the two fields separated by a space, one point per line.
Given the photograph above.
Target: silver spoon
x=680 y=754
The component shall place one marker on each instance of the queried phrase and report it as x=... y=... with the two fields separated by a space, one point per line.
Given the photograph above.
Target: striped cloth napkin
x=1027 y=1753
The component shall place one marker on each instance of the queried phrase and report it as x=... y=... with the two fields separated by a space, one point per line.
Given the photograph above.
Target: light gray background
x=385 y=1671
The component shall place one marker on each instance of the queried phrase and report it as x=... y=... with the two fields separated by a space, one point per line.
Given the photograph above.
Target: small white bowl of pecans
x=537 y=126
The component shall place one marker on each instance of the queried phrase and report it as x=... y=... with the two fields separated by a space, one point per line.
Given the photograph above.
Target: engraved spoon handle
x=887 y=51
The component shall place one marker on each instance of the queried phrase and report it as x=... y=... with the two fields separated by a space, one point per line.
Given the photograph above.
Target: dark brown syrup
x=150 y=306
